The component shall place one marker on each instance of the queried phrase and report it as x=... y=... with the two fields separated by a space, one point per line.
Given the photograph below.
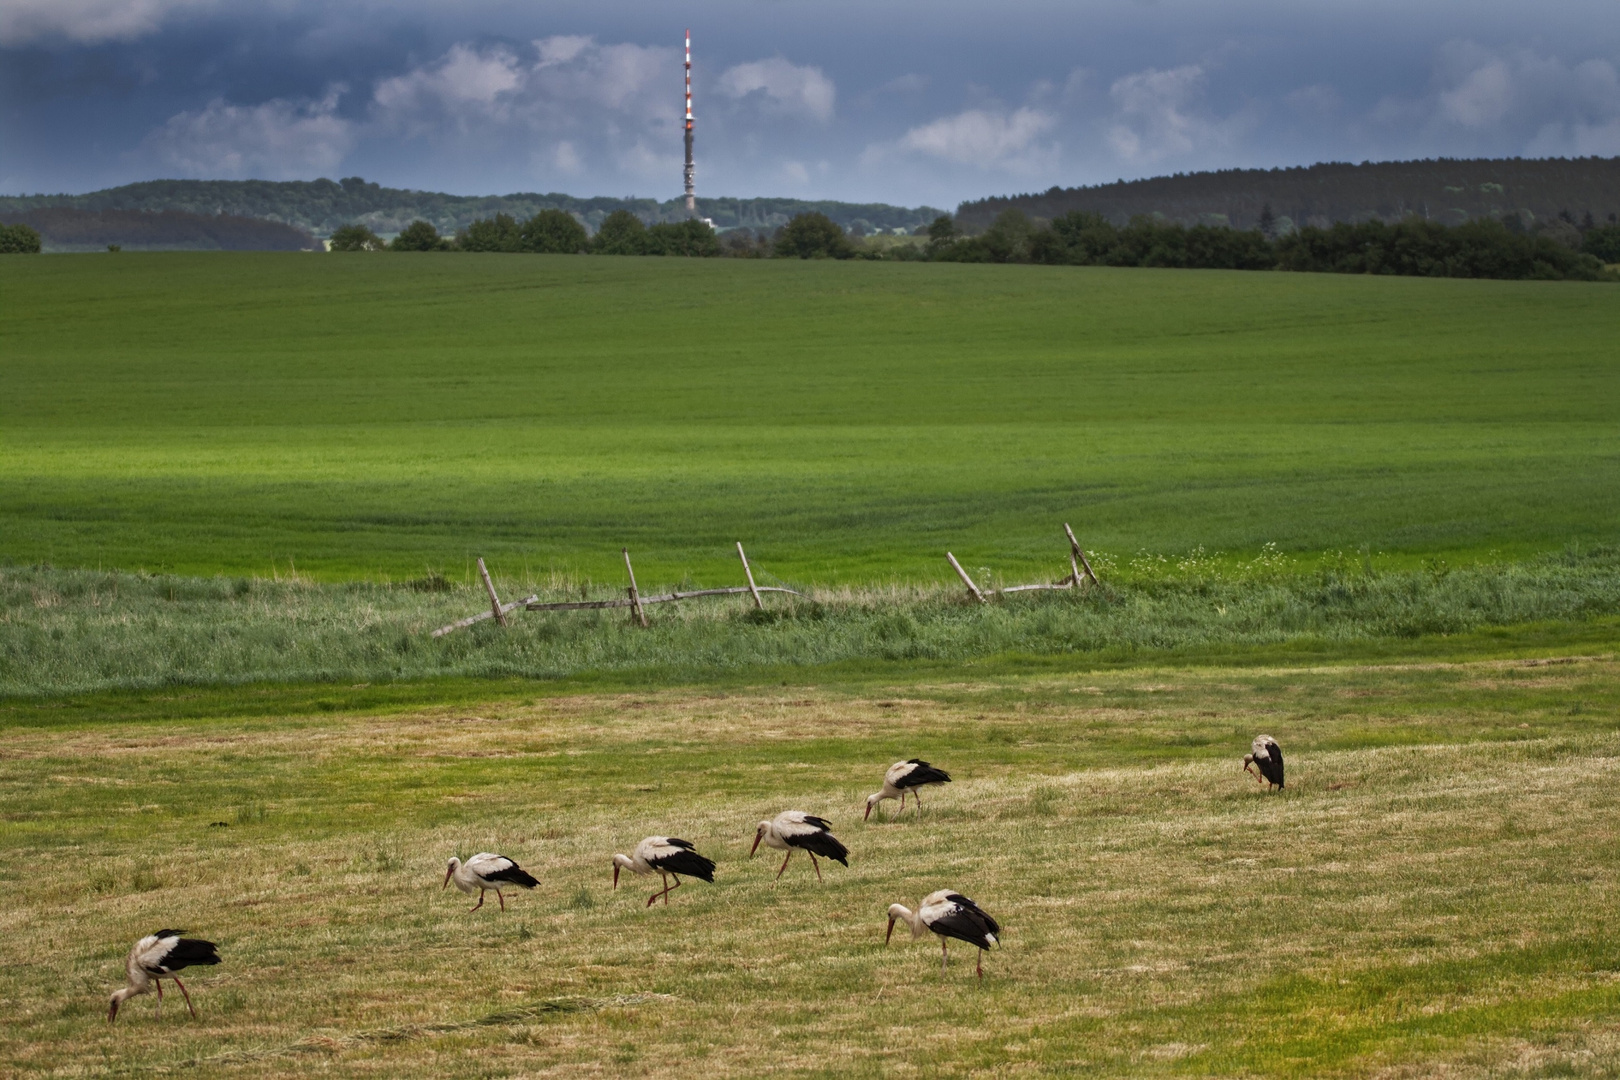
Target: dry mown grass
x=1432 y=896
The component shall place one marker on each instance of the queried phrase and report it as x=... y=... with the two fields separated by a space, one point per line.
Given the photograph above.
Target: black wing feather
x=1271 y=766
x=678 y=842
x=824 y=844
x=924 y=773
x=818 y=822
x=968 y=923
x=188 y=952
x=990 y=922
x=514 y=874
x=685 y=861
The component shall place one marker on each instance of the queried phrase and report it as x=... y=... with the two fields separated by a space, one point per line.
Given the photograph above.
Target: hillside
x=320 y=206
x=66 y=229
x=1450 y=191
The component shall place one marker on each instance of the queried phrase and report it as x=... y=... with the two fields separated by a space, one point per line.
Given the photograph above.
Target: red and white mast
x=691 y=196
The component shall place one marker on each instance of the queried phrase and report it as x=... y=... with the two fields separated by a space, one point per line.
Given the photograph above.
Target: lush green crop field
x=1434 y=894
x=367 y=416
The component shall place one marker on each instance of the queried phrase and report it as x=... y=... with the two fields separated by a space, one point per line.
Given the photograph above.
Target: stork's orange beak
x=447 y=874
x=615 y=875
x=755 y=848
x=112 y=1011
x=890 y=934
x=865 y=817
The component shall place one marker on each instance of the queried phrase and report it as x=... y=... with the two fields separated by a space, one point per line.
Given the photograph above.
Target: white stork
x=667 y=857
x=950 y=915
x=1266 y=755
x=156 y=957
x=793 y=830
x=486 y=870
x=904 y=776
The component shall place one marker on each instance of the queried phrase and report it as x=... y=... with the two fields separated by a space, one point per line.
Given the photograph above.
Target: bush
x=553 y=232
x=690 y=238
x=1602 y=242
x=621 y=233
x=812 y=236
x=1474 y=249
x=499 y=233
x=356 y=238
x=419 y=236
x=18 y=240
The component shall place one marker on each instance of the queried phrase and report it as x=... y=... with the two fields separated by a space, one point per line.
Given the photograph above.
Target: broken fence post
x=494 y=600
x=635 y=597
x=1076 y=551
x=758 y=605
x=961 y=573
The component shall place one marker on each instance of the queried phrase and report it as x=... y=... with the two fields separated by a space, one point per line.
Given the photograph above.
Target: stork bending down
x=487 y=870
x=156 y=957
x=950 y=915
x=904 y=776
x=665 y=856
x=795 y=830
x=1267 y=755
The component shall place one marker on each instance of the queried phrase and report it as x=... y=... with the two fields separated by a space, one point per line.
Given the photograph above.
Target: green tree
x=1008 y=237
x=555 y=232
x=942 y=230
x=621 y=233
x=499 y=233
x=1603 y=241
x=419 y=236
x=689 y=238
x=812 y=236
x=356 y=238
x=18 y=240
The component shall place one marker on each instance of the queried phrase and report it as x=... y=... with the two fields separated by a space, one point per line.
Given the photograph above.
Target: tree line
x=1478 y=249
x=1446 y=190
x=69 y=229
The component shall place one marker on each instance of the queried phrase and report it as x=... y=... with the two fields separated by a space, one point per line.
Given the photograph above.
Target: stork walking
x=950 y=915
x=1267 y=756
x=486 y=871
x=667 y=857
x=795 y=830
x=904 y=776
x=157 y=957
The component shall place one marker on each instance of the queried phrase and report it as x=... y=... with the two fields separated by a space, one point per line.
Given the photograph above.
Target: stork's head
x=871 y=801
x=759 y=834
x=455 y=864
x=897 y=913
x=621 y=862
x=1248 y=759
x=117 y=1000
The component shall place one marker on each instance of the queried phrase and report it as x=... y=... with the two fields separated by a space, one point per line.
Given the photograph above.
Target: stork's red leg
x=159 y=984
x=187 y=995
x=784 y=863
x=916 y=799
x=981 y=965
x=944 y=956
x=480 y=903
x=501 y=898
x=816 y=865
x=668 y=888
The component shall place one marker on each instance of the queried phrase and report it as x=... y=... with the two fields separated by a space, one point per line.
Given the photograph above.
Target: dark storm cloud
x=906 y=102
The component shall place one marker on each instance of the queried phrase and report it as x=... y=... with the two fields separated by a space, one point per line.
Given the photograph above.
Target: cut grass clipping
x=1434 y=892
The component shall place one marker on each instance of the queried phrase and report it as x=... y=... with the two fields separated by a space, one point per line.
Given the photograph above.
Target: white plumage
x=665 y=856
x=950 y=915
x=795 y=830
x=156 y=957
x=1267 y=756
x=904 y=776
x=486 y=871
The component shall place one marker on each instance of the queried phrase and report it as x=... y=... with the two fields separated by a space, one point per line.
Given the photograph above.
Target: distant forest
x=1446 y=191
x=67 y=229
x=323 y=206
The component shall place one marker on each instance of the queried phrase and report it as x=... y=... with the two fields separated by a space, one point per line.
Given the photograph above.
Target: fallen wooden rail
x=594 y=605
x=482 y=615
x=1079 y=567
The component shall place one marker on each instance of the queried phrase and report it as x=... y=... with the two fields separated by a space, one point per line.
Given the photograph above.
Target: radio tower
x=691 y=195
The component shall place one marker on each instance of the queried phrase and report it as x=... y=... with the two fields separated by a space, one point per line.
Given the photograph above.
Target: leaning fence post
x=494 y=599
x=961 y=573
x=751 y=586
x=1076 y=550
x=635 y=597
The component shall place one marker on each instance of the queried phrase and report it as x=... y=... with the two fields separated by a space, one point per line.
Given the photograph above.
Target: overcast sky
x=914 y=101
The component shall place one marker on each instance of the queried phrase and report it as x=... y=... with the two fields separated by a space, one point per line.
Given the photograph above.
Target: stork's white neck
x=904 y=914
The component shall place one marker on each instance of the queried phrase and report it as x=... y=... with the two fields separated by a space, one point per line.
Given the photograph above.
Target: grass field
x=373 y=417
x=1433 y=895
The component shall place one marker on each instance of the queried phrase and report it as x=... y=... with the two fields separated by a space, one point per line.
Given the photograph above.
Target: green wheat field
x=1378 y=519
